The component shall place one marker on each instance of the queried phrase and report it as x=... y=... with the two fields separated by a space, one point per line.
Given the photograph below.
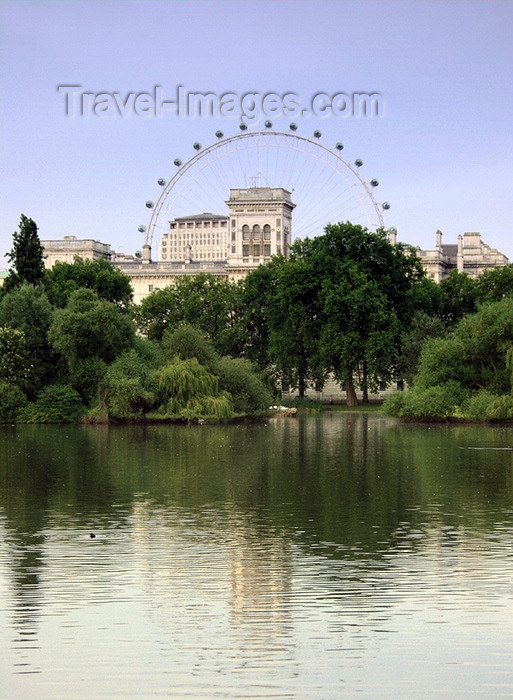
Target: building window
x=256 y=251
x=256 y=232
x=245 y=251
x=245 y=232
x=267 y=249
x=267 y=232
x=233 y=223
x=150 y=288
x=278 y=223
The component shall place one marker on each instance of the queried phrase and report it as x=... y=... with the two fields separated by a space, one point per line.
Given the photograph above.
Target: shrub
x=501 y=408
x=476 y=406
x=12 y=401
x=239 y=378
x=55 y=404
x=187 y=342
x=435 y=402
x=128 y=388
x=393 y=404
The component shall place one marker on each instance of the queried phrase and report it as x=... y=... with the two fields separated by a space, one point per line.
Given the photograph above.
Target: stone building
x=199 y=237
x=470 y=255
x=65 y=250
x=258 y=226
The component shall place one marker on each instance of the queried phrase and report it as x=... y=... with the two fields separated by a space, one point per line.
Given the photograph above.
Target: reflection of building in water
x=234 y=570
x=260 y=580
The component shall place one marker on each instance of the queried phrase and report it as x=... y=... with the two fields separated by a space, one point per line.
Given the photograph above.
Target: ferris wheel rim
x=241 y=136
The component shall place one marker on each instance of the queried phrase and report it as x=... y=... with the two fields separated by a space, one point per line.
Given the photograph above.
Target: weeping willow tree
x=190 y=391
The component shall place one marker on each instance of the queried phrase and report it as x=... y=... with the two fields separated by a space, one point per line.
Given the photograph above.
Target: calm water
x=330 y=556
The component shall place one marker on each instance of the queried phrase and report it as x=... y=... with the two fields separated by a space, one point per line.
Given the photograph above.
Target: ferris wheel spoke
x=324 y=186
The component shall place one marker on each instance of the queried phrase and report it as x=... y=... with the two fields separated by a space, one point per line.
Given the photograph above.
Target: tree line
x=347 y=304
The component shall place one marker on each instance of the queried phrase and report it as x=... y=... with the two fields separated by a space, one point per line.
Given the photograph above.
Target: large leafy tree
x=90 y=333
x=27 y=309
x=366 y=296
x=204 y=301
x=26 y=256
x=494 y=285
x=294 y=324
x=458 y=296
x=99 y=275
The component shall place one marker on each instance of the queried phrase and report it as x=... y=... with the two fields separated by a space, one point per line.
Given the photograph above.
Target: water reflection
x=301 y=557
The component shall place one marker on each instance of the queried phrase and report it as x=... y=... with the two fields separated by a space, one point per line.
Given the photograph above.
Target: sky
x=442 y=148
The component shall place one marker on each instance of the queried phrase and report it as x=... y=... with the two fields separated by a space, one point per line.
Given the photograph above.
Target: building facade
x=67 y=248
x=201 y=237
x=470 y=255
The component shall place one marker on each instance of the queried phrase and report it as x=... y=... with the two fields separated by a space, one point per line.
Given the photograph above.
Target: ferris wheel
x=324 y=186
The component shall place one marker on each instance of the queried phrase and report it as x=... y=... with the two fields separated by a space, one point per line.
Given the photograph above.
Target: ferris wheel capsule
x=141 y=228
x=266 y=154
x=374 y=182
x=242 y=126
x=161 y=181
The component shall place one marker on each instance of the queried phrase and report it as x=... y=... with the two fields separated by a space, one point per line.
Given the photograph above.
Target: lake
x=324 y=556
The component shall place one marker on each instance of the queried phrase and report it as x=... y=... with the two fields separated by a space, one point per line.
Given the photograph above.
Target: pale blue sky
x=443 y=151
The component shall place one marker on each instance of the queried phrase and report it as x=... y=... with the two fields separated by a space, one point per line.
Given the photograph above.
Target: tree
x=474 y=354
x=27 y=309
x=366 y=297
x=494 y=285
x=129 y=387
x=99 y=275
x=458 y=297
x=15 y=364
x=90 y=334
x=26 y=256
x=294 y=324
x=203 y=301
x=422 y=328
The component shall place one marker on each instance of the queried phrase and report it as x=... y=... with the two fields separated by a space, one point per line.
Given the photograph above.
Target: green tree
x=422 y=328
x=99 y=275
x=27 y=309
x=203 y=301
x=90 y=334
x=458 y=297
x=494 y=285
x=15 y=364
x=258 y=290
x=26 y=256
x=466 y=373
x=12 y=402
x=128 y=388
x=294 y=324
x=366 y=292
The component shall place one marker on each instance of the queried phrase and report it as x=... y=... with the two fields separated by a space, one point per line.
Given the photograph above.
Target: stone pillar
x=146 y=254
x=393 y=236
x=460 y=253
x=439 y=241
